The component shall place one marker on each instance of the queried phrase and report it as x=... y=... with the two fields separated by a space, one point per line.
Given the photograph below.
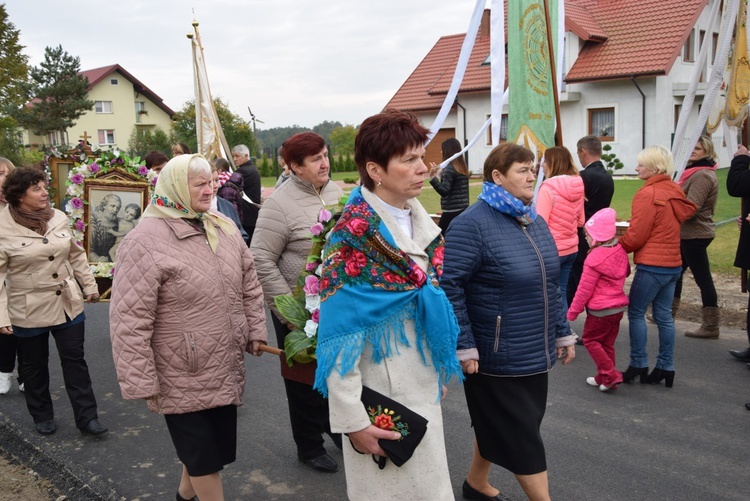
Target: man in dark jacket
x=738 y=185
x=251 y=187
x=598 y=187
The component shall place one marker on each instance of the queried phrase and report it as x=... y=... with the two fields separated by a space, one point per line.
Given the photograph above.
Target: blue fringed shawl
x=369 y=288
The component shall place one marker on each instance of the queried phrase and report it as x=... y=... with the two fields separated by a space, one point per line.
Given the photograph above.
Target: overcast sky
x=292 y=62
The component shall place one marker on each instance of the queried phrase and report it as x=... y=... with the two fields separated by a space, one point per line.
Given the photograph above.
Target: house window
x=677 y=111
x=140 y=109
x=503 y=129
x=688 y=51
x=106 y=136
x=103 y=106
x=602 y=123
x=114 y=81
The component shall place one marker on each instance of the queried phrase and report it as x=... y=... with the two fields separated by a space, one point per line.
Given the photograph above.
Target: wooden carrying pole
x=553 y=74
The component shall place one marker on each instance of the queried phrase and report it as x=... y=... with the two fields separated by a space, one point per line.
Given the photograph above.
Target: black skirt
x=506 y=413
x=205 y=440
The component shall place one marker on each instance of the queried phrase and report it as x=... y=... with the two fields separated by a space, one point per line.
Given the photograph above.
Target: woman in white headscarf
x=186 y=305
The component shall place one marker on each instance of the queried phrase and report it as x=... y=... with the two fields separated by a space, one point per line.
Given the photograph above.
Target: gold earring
x=380 y=184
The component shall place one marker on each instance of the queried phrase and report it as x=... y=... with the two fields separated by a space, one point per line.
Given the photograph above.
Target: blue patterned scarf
x=499 y=199
x=369 y=288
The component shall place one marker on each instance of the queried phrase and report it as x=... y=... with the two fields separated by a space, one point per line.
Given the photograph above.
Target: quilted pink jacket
x=182 y=317
x=602 y=281
x=560 y=203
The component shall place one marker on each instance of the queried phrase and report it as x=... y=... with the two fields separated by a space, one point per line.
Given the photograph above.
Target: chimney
x=484 y=25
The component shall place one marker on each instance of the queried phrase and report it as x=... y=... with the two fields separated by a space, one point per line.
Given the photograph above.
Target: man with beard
x=251 y=187
x=103 y=219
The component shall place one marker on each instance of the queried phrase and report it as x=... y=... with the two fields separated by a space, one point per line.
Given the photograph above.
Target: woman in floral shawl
x=384 y=323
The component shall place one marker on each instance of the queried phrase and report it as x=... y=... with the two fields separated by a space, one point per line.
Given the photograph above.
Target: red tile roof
x=643 y=38
x=622 y=38
x=98 y=74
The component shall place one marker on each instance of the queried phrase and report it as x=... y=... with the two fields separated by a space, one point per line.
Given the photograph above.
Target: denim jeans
x=566 y=263
x=652 y=285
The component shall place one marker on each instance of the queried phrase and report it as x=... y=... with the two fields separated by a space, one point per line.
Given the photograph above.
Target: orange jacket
x=659 y=208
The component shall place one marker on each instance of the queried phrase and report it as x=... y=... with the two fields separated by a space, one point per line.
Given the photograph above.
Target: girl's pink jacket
x=602 y=281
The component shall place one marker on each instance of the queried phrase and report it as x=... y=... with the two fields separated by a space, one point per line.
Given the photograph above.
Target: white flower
x=319 y=269
x=312 y=302
x=311 y=328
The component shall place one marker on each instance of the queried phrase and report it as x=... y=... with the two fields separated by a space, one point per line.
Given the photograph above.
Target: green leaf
x=297 y=347
x=292 y=309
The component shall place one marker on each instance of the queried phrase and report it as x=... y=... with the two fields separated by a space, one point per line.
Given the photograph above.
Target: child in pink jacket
x=601 y=293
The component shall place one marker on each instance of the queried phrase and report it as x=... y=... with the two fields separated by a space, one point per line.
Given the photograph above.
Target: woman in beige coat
x=41 y=267
x=186 y=306
x=280 y=246
x=8 y=344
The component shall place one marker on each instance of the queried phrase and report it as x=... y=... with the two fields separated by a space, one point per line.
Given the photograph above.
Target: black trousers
x=34 y=370
x=577 y=269
x=8 y=352
x=446 y=218
x=695 y=256
x=308 y=410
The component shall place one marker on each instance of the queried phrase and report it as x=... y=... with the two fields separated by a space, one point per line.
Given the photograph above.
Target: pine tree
x=57 y=94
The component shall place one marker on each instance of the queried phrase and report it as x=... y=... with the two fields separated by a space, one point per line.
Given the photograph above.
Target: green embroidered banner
x=531 y=107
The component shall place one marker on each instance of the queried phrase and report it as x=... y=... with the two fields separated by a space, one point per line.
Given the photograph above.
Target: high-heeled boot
x=657 y=375
x=629 y=375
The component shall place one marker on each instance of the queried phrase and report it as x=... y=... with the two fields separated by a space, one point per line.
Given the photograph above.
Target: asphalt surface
x=640 y=442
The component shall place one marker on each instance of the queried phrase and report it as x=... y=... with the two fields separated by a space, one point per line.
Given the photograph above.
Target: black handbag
x=388 y=414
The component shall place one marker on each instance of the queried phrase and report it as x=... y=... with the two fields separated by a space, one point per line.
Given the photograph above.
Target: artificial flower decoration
x=302 y=309
x=85 y=167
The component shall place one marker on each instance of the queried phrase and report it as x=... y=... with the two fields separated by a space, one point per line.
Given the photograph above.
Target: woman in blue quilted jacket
x=501 y=275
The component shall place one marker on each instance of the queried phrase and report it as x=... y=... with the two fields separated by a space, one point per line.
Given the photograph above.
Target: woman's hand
x=434 y=168
x=470 y=366
x=255 y=348
x=92 y=298
x=7 y=330
x=443 y=392
x=741 y=150
x=566 y=354
x=366 y=440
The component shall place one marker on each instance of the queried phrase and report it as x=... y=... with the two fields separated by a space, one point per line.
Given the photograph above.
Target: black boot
x=657 y=375
x=743 y=355
x=629 y=375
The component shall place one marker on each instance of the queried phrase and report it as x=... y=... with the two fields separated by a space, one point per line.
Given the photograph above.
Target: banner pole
x=553 y=74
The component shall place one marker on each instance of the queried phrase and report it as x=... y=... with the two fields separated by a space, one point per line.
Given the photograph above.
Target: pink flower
x=325 y=216
x=311 y=266
x=94 y=167
x=317 y=228
x=315 y=316
x=142 y=170
x=312 y=285
x=76 y=203
x=357 y=226
x=76 y=179
x=80 y=225
x=153 y=181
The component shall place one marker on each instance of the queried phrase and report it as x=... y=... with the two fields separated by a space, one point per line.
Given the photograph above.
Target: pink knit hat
x=601 y=226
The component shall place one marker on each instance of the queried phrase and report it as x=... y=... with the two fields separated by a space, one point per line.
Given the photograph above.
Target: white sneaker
x=5 y=379
x=591 y=381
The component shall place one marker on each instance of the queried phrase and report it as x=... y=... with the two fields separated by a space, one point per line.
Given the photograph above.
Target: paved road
x=636 y=443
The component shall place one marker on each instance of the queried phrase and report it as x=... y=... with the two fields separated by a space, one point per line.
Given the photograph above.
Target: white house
x=122 y=104
x=627 y=65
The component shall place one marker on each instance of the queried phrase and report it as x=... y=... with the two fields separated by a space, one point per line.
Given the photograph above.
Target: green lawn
x=721 y=252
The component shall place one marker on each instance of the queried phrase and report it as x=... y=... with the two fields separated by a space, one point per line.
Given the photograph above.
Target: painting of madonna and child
x=112 y=214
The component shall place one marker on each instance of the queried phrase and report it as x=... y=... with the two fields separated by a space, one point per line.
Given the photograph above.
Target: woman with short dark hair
x=281 y=246
x=384 y=323
x=42 y=270
x=501 y=275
